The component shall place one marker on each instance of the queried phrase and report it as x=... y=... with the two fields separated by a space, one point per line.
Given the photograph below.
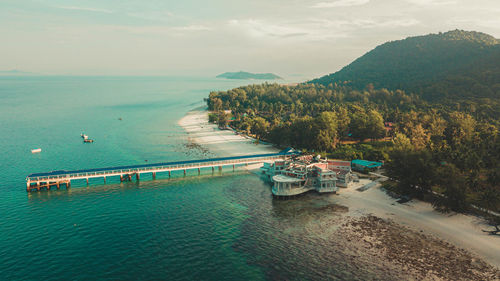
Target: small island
x=248 y=75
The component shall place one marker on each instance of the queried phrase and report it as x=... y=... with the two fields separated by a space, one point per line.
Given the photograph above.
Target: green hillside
x=437 y=66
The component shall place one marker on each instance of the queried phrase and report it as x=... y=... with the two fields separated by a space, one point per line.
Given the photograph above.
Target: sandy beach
x=207 y=137
x=455 y=247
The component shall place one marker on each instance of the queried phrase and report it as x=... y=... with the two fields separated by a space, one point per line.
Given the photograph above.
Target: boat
x=87 y=140
x=36 y=150
x=84 y=136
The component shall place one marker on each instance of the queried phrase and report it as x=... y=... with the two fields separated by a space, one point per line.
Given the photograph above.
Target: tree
x=326 y=131
x=222 y=120
x=343 y=122
x=359 y=123
x=402 y=142
x=419 y=138
x=460 y=128
x=375 y=125
x=259 y=127
x=414 y=171
x=453 y=183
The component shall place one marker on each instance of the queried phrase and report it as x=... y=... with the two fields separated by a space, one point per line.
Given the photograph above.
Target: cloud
x=259 y=28
x=391 y=23
x=483 y=23
x=315 y=29
x=153 y=15
x=192 y=27
x=340 y=3
x=432 y=2
x=85 y=9
x=155 y=29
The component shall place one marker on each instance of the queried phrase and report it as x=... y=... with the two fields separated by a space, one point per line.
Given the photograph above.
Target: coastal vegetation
x=438 y=137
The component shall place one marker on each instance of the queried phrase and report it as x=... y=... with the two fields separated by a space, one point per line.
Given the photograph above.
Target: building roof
x=283 y=178
x=339 y=163
x=366 y=163
x=341 y=171
x=321 y=166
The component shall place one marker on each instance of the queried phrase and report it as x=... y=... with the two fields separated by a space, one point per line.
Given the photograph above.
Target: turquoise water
x=213 y=227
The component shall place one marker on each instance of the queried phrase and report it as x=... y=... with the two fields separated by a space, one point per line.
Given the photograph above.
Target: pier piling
x=39 y=181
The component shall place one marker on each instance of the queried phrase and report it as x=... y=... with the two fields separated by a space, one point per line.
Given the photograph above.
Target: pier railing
x=57 y=177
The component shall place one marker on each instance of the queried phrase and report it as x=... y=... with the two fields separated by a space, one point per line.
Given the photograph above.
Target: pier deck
x=39 y=181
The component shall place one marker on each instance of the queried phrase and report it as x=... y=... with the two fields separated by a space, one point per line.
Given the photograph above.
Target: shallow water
x=212 y=227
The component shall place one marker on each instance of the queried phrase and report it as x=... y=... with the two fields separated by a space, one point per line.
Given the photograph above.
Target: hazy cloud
x=315 y=29
x=259 y=28
x=432 y=2
x=86 y=9
x=340 y=3
x=489 y=23
x=155 y=29
x=152 y=16
x=193 y=27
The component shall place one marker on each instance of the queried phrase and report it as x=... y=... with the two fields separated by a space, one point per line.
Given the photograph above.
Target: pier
x=46 y=181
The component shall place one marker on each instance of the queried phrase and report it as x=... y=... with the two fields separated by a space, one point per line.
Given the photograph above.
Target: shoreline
x=460 y=230
x=220 y=143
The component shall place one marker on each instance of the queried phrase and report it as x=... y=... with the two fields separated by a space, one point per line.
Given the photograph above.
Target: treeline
x=449 y=149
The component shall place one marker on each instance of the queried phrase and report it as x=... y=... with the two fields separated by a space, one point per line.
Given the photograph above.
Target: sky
x=292 y=38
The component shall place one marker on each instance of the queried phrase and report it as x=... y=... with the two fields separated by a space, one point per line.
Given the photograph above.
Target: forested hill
x=454 y=64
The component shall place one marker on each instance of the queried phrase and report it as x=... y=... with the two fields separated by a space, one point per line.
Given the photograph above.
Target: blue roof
x=366 y=163
x=61 y=172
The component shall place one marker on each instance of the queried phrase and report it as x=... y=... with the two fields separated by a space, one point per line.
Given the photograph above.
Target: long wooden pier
x=41 y=181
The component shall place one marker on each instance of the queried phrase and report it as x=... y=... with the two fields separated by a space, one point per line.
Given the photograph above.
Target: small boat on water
x=87 y=140
x=36 y=150
x=84 y=136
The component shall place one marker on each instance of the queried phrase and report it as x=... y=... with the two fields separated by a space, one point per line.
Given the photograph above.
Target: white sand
x=220 y=142
x=461 y=230
x=464 y=231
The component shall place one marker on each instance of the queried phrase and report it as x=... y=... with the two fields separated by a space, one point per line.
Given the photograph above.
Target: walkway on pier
x=38 y=181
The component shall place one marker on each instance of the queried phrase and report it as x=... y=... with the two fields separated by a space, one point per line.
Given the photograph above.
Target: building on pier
x=299 y=175
x=344 y=172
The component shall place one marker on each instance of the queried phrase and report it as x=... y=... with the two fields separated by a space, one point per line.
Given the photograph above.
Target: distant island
x=248 y=75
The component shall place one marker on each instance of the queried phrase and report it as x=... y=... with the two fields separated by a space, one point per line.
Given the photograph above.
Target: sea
x=221 y=226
